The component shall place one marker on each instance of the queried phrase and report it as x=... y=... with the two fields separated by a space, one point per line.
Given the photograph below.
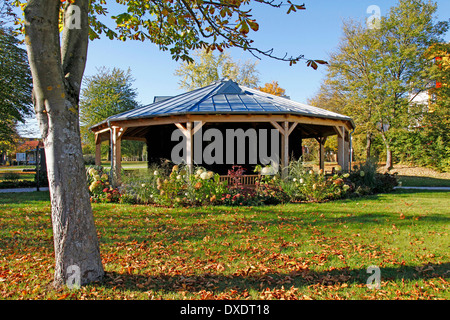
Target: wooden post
x=285 y=131
x=285 y=150
x=98 y=150
x=322 y=141
x=188 y=133
x=116 y=159
x=343 y=149
x=189 y=147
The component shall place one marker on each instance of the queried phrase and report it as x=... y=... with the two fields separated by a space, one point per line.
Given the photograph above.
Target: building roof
x=28 y=145
x=224 y=97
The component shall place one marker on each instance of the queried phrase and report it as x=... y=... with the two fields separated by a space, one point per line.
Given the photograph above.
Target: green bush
x=305 y=184
x=366 y=180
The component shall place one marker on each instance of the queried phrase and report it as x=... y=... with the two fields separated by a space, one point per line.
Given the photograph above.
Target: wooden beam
x=116 y=159
x=277 y=126
x=343 y=150
x=98 y=150
x=189 y=147
x=182 y=128
x=292 y=128
x=321 y=141
x=339 y=131
x=198 y=126
x=103 y=130
x=121 y=132
x=285 y=150
x=232 y=118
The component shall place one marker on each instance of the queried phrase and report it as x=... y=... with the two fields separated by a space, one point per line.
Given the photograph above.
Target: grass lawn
x=415 y=181
x=294 y=251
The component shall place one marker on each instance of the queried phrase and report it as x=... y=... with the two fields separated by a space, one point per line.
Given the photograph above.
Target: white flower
x=155 y=173
x=266 y=171
x=311 y=172
x=210 y=174
x=199 y=172
x=178 y=177
x=302 y=181
x=295 y=179
x=204 y=175
x=143 y=185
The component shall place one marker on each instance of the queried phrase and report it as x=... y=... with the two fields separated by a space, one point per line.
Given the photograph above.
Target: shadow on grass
x=24 y=197
x=260 y=281
x=415 y=181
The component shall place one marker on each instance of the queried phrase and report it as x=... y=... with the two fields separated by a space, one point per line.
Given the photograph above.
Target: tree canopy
x=273 y=88
x=104 y=94
x=15 y=85
x=377 y=72
x=209 y=67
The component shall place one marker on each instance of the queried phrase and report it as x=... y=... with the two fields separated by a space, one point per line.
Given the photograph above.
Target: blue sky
x=314 y=32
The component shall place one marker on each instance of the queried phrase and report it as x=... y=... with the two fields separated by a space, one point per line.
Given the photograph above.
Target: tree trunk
x=368 y=145
x=389 y=164
x=57 y=72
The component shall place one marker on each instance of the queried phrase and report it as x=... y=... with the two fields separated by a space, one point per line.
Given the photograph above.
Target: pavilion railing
x=245 y=180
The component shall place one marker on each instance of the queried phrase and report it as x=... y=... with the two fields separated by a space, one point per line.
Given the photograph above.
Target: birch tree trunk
x=389 y=164
x=57 y=66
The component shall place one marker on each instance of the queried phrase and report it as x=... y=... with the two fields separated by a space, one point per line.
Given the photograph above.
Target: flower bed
x=175 y=186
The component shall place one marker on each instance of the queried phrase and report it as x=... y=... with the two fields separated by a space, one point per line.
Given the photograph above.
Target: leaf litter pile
x=296 y=251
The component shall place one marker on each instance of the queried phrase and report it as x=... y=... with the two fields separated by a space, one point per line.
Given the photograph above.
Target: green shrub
x=11 y=176
x=366 y=179
x=306 y=185
x=89 y=159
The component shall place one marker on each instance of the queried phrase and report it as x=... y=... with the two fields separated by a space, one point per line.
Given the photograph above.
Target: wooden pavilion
x=223 y=104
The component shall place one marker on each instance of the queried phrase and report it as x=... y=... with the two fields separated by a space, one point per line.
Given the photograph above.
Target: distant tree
x=376 y=70
x=208 y=67
x=273 y=88
x=428 y=143
x=15 y=85
x=107 y=93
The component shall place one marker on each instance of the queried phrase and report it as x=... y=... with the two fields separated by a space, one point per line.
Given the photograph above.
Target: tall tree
x=377 y=69
x=273 y=88
x=209 y=67
x=15 y=85
x=104 y=94
x=57 y=66
x=405 y=39
x=351 y=80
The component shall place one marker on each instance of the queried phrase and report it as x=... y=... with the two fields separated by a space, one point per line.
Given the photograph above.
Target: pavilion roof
x=224 y=97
